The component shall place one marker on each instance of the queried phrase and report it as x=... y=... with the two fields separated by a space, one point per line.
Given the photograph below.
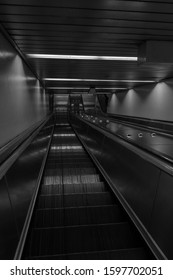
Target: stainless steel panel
x=8 y=229
x=22 y=177
x=162 y=222
x=135 y=178
x=95 y=141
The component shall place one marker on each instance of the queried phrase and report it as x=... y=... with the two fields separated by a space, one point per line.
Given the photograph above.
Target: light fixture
x=84 y=57
x=111 y=88
x=75 y=88
x=86 y=88
x=100 y=93
x=78 y=92
x=97 y=80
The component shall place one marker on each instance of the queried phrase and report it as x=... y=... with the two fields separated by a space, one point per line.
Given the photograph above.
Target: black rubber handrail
x=15 y=147
x=14 y=143
x=155 y=158
x=158 y=125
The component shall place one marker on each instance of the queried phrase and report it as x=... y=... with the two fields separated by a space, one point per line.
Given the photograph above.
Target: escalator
x=76 y=214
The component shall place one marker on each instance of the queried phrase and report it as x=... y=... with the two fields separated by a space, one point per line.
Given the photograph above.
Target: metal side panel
x=134 y=177
x=136 y=180
x=8 y=233
x=162 y=222
x=22 y=176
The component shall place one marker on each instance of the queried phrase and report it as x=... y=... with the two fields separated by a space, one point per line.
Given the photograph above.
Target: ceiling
x=92 y=27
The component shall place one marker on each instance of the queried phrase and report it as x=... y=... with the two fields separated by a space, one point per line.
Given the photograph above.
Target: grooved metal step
x=76 y=215
x=79 y=216
x=73 y=188
x=82 y=239
x=121 y=254
x=76 y=200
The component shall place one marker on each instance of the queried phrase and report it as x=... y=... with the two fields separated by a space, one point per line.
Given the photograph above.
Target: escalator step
x=77 y=200
x=78 y=216
x=71 y=179
x=79 y=171
x=73 y=188
x=52 y=180
x=93 y=178
x=73 y=164
x=74 y=160
x=53 y=241
x=122 y=254
x=71 y=171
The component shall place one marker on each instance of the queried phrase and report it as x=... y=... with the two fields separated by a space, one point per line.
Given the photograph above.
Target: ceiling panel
x=99 y=27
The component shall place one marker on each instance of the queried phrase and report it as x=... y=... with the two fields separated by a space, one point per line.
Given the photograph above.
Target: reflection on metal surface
x=66 y=147
x=8 y=233
x=42 y=138
x=52 y=180
x=64 y=135
x=28 y=156
x=63 y=124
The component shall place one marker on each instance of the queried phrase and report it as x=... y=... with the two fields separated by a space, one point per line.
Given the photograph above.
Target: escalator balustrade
x=76 y=214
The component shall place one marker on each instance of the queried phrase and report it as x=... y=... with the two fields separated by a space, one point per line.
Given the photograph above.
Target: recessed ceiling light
x=83 y=57
x=97 y=80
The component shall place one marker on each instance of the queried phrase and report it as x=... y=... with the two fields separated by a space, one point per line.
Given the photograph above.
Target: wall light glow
x=62 y=88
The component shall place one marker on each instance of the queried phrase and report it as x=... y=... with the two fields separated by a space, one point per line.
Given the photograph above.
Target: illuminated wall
x=153 y=102
x=22 y=100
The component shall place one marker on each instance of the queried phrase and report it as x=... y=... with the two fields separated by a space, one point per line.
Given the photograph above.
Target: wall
x=22 y=101
x=150 y=101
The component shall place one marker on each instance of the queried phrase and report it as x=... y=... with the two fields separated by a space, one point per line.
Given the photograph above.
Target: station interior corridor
x=86 y=130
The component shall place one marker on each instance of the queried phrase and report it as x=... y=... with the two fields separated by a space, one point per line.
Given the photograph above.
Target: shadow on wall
x=149 y=101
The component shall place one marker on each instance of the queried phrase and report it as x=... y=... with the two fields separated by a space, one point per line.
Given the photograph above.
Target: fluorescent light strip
x=84 y=57
x=110 y=88
x=76 y=88
x=97 y=80
x=80 y=88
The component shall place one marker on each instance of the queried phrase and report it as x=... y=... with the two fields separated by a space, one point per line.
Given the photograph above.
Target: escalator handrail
x=158 y=160
x=130 y=120
x=12 y=150
x=22 y=240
